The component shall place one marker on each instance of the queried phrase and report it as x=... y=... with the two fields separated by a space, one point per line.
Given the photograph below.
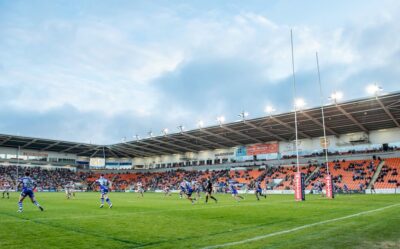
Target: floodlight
x=374 y=89
x=221 y=119
x=336 y=96
x=269 y=109
x=200 y=124
x=150 y=133
x=165 y=131
x=299 y=103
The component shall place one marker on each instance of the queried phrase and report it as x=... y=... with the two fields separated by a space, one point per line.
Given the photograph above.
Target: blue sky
x=98 y=71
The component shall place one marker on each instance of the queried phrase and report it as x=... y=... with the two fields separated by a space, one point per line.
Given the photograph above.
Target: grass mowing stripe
x=204 y=235
x=161 y=211
x=74 y=230
x=299 y=228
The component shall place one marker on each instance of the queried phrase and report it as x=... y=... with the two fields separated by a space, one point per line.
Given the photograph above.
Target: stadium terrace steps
x=376 y=174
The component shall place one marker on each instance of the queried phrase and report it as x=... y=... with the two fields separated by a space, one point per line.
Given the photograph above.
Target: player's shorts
x=209 y=191
x=234 y=191
x=189 y=192
x=259 y=190
x=104 y=191
x=27 y=192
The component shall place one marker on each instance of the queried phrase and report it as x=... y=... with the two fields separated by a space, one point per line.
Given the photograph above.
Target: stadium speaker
x=385 y=147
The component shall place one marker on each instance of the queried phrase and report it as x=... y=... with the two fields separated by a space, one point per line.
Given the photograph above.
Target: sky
x=105 y=71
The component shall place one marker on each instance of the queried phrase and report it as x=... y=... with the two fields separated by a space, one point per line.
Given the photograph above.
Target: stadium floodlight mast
x=150 y=133
x=269 y=109
x=181 y=128
x=165 y=131
x=336 y=96
x=299 y=104
x=137 y=137
x=221 y=120
x=243 y=115
x=374 y=89
x=200 y=124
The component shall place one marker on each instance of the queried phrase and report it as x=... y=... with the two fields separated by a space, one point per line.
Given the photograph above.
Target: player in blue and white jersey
x=28 y=186
x=258 y=190
x=234 y=192
x=187 y=189
x=182 y=187
x=104 y=184
x=197 y=188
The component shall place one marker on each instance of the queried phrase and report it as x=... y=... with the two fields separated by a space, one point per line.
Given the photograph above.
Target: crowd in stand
x=46 y=179
x=386 y=170
x=55 y=179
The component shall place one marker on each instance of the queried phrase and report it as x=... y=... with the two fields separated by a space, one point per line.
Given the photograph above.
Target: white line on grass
x=298 y=228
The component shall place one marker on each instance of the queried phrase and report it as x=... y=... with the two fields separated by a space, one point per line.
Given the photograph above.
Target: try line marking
x=298 y=228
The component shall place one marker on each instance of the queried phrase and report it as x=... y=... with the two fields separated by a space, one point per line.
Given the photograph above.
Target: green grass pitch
x=156 y=221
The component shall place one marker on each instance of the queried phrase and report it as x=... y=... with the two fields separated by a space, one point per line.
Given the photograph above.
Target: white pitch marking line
x=298 y=228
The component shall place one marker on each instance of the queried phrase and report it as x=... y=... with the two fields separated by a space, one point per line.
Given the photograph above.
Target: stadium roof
x=367 y=114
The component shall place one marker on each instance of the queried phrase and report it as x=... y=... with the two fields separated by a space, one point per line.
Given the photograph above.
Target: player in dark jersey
x=209 y=189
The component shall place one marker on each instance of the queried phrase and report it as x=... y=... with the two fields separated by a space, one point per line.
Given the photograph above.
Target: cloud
x=100 y=73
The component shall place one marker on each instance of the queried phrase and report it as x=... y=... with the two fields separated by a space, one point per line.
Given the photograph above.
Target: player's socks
x=212 y=197
x=108 y=202
x=206 y=198
x=38 y=205
x=20 y=206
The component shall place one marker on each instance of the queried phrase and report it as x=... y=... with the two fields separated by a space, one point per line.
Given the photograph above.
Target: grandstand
x=363 y=144
x=363 y=137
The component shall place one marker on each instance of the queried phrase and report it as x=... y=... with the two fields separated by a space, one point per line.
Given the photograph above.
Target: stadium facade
x=367 y=124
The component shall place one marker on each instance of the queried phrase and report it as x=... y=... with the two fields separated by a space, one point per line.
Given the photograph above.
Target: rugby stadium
x=318 y=175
